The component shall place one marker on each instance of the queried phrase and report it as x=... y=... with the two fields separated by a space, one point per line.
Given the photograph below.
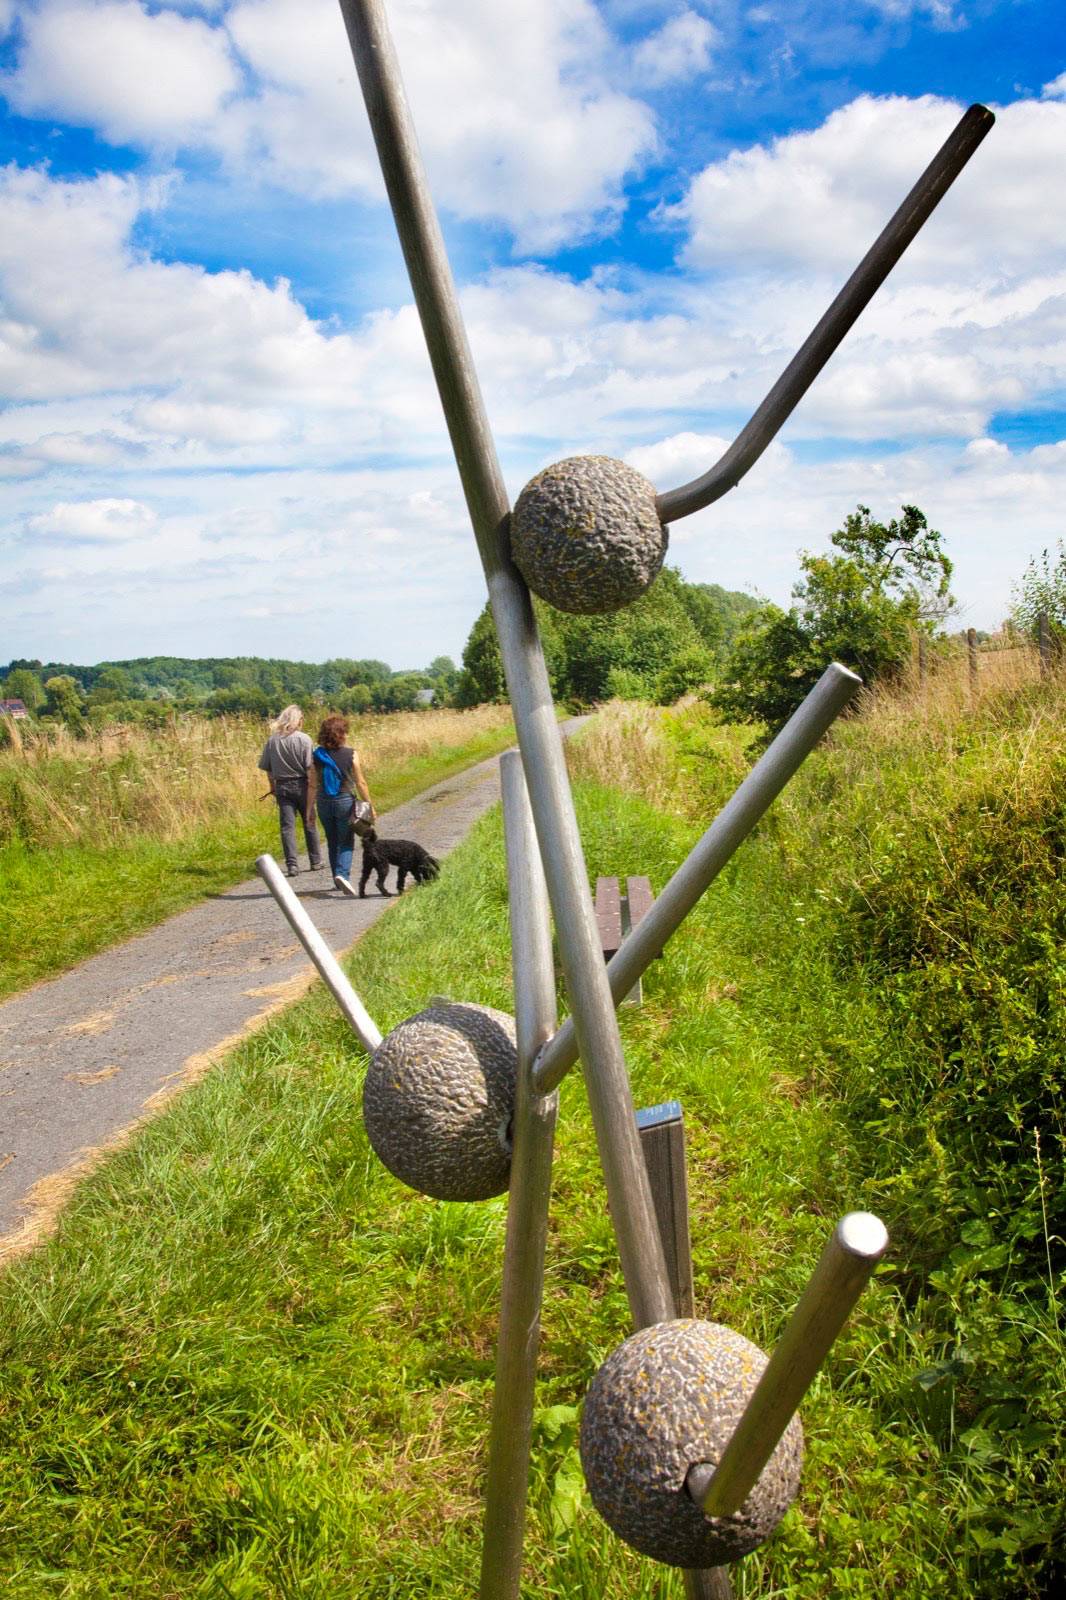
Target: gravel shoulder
x=86 y=1057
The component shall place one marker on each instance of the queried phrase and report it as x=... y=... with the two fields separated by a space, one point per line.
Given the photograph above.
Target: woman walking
x=286 y=760
x=338 y=779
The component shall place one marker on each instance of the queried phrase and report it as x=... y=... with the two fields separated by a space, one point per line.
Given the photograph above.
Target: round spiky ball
x=438 y=1101
x=666 y=1400
x=586 y=536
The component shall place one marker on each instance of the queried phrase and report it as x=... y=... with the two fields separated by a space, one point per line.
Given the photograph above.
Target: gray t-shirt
x=286 y=755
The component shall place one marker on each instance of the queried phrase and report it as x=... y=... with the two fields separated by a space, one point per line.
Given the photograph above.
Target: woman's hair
x=287 y=721
x=333 y=733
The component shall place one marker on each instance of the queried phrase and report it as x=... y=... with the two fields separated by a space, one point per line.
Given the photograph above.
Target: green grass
x=251 y=1365
x=63 y=903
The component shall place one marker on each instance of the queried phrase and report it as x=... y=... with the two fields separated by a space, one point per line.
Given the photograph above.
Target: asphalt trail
x=86 y=1057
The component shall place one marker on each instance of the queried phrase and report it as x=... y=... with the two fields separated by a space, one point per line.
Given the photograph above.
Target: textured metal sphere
x=586 y=536
x=438 y=1101
x=667 y=1399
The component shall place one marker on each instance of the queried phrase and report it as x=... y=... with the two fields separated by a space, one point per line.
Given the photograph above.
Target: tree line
x=152 y=688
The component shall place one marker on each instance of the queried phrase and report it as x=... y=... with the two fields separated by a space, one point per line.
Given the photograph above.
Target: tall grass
x=894 y=935
x=676 y=760
x=103 y=836
x=167 y=783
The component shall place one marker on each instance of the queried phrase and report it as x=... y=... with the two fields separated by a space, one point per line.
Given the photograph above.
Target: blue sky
x=218 y=431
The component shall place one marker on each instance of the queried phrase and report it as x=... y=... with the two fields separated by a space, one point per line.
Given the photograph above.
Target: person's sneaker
x=345 y=887
x=316 y=866
x=292 y=870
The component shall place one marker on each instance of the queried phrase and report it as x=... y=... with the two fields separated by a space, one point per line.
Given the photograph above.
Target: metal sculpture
x=724 y=1469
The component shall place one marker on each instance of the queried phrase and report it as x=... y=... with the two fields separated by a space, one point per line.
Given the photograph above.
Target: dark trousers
x=291 y=795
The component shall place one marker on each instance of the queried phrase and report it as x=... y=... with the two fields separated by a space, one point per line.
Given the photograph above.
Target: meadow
x=103 y=836
x=250 y=1366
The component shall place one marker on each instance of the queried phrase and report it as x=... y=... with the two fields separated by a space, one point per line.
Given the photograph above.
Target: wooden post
x=923 y=660
x=1044 y=626
x=662 y=1139
x=971 y=651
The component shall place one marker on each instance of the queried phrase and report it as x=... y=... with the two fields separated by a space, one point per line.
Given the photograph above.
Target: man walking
x=286 y=760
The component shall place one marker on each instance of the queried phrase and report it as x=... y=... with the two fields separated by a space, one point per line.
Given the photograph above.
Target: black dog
x=403 y=854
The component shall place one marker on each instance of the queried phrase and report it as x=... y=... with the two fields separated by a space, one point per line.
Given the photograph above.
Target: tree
x=64 y=699
x=689 y=670
x=589 y=657
x=860 y=607
x=903 y=557
x=481 y=679
x=443 y=676
x=113 y=684
x=22 y=684
x=1042 y=591
x=356 y=699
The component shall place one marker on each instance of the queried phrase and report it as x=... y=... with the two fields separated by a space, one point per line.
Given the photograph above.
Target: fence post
x=971 y=651
x=1044 y=626
x=923 y=660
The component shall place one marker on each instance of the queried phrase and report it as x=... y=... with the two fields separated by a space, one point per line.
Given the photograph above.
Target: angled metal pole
x=852 y=300
x=831 y=694
x=611 y=1103
x=332 y=974
x=846 y=1264
x=527 y=1208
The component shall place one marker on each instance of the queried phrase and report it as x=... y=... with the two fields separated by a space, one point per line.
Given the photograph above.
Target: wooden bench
x=618 y=913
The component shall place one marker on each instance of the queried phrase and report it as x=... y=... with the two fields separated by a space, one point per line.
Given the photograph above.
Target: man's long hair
x=287 y=721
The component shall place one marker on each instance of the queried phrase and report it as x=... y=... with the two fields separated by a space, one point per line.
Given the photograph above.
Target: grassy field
x=252 y=1367
x=102 y=837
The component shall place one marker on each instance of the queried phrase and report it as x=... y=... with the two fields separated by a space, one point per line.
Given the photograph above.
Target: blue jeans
x=335 y=815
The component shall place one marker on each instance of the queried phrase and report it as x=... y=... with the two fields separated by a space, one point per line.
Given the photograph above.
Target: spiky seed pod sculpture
x=586 y=536
x=667 y=1399
x=438 y=1101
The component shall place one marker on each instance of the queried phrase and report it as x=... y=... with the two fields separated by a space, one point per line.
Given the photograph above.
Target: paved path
x=87 y=1056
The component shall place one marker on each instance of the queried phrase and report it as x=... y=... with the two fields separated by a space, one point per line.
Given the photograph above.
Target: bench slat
x=641 y=899
x=609 y=914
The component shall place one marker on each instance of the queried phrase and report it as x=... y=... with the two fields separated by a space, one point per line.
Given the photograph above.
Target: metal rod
x=530 y=1192
x=611 y=1103
x=362 y=1025
x=833 y=691
x=711 y=1584
x=857 y=1244
x=852 y=300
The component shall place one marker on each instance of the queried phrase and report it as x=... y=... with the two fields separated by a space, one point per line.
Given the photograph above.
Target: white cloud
x=942 y=13
x=1056 y=89
x=78 y=449
x=680 y=49
x=84 y=311
x=973 y=319
x=816 y=201
x=513 y=103
x=209 y=423
x=136 y=76
x=93 y=521
x=123 y=375
x=512 y=106
x=7 y=12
